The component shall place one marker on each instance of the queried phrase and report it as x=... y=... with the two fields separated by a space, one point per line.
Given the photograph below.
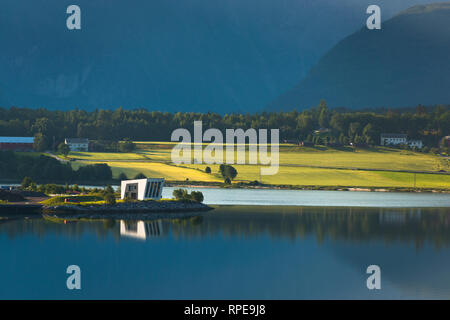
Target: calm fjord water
x=233 y=252
x=271 y=197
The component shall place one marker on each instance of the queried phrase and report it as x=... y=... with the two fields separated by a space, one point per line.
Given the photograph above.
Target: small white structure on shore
x=142 y=189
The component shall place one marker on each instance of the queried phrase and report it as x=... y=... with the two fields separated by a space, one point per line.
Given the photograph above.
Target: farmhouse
x=142 y=189
x=16 y=143
x=76 y=144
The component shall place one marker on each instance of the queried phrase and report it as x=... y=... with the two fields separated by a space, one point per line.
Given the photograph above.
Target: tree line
x=44 y=169
x=430 y=124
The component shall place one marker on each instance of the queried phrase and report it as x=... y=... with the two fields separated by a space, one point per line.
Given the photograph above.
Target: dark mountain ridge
x=168 y=55
x=406 y=63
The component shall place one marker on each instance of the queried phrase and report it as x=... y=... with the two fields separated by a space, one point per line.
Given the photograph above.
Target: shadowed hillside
x=406 y=63
x=168 y=55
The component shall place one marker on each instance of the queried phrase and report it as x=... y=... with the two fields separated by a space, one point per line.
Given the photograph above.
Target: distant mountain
x=168 y=55
x=406 y=63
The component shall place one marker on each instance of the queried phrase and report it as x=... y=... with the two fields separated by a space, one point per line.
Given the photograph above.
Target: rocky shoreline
x=130 y=210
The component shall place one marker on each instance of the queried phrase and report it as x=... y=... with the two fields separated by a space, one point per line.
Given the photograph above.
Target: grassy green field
x=101 y=156
x=154 y=169
x=300 y=166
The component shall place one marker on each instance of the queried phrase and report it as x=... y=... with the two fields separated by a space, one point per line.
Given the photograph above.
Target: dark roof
x=77 y=140
x=16 y=139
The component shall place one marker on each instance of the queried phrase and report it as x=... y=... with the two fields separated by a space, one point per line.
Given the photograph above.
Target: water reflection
x=140 y=229
x=239 y=252
x=412 y=225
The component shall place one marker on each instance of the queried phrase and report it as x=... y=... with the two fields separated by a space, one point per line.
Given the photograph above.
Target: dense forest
x=341 y=126
x=45 y=169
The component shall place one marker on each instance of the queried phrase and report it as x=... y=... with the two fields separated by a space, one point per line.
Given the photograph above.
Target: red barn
x=16 y=143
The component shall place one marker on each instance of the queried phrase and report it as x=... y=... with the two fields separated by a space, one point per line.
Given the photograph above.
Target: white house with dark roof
x=77 y=144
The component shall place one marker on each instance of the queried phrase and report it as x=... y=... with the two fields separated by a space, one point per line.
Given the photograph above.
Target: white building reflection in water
x=140 y=229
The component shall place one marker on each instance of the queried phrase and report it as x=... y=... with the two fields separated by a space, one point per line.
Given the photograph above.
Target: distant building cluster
x=16 y=143
x=77 y=144
x=394 y=139
x=387 y=139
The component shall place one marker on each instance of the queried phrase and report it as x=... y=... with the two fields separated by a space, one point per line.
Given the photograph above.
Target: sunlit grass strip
x=155 y=170
x=81 y=200
x=298 y=176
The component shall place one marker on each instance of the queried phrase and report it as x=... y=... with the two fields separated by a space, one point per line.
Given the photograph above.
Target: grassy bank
x=80 y=200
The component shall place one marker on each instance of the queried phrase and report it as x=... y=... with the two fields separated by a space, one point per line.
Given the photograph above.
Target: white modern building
x=142 y=189
x=77 y=144
x=393 y=139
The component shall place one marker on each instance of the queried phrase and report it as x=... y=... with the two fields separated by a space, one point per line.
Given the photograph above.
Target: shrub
x=26 y=182
x=128 y=200
x=94 y=191
x=63 y=148
x=33 y=186
x=197 y=196
x=110 y=199
x=122 y=176
x=51 y=189
x=140 y=175
x=180 y=194
x=183 y=195
x=228 y=171
x=108 y=189
x=208 y=170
